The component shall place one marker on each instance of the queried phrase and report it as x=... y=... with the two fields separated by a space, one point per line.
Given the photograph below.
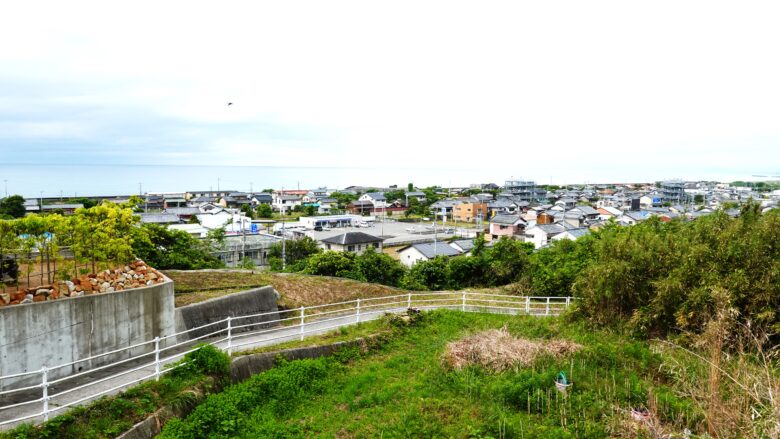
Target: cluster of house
x=519 y=210
x=525 y=212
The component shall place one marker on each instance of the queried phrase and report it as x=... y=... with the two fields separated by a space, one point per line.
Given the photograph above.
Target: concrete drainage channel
x=243 y=367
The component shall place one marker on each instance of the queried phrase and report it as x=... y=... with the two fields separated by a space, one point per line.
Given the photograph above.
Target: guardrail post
x=230 y=335
x=547 y=309
x=303 y=310
x=45 y=388
x=409 y=301
x=463 y=302
x=358 y=311
x=528 y=304
x=157 y=358
x=568 y=301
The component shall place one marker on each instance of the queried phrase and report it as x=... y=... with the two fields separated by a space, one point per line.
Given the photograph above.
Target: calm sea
x=100 y=179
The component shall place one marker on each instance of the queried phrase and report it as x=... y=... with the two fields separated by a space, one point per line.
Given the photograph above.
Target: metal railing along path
x=37 y=400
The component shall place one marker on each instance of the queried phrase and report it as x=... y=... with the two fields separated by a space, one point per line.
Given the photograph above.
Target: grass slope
x=405 y=390
x=296 y=289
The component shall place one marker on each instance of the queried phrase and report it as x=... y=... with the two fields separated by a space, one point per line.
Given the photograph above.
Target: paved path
x=145 y=368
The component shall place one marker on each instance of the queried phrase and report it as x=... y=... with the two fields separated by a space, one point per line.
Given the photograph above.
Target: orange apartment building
x=470 y=212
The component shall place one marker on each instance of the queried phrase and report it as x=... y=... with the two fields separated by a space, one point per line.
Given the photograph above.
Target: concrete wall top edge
x=167 y=280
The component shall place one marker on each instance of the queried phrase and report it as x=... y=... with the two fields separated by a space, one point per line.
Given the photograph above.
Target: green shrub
x=207 y=360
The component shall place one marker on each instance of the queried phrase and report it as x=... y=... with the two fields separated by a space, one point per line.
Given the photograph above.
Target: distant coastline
x=110 y=179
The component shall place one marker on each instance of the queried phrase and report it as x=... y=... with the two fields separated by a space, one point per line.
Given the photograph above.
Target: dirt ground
x=296 y=289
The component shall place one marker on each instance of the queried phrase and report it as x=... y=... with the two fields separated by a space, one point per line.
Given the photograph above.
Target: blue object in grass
x=562 y=378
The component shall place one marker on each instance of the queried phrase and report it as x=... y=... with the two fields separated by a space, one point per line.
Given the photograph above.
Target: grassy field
x=405 y=388
x=296 y=289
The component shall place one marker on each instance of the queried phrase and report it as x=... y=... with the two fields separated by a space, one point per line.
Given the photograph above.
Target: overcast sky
x=667 y=86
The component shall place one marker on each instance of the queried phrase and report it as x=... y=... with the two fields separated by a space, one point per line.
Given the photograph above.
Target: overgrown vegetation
x=407 y=390
x=501 y=264
x=197 y=375
x=164 y=248
x=661 y=277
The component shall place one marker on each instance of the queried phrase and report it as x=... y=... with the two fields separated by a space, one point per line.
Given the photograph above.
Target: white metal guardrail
x=38 y=397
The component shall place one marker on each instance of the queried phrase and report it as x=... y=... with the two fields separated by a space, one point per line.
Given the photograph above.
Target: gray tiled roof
x=587 y=210
x=507 y=219
x=351 y=238
x=159 y=218
x=464 y=244
x=550 y=228
x=579 y=232
x=376 y=196
x=183 y=210
x=441 y=249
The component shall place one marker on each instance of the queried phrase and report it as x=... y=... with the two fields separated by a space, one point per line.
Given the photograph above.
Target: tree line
x=503 y=263
x=93 y=238
x=655 y=277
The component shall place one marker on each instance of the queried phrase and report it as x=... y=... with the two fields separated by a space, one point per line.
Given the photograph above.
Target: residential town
x=414 y=224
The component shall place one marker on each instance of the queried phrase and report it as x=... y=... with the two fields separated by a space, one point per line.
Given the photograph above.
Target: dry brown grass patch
x=498 y=350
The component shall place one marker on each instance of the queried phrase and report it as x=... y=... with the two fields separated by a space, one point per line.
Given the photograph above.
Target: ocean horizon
x=67 y=181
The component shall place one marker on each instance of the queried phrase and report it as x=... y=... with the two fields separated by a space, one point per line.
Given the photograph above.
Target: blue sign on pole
x=254 y=228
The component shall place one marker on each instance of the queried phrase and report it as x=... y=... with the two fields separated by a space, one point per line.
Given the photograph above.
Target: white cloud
x=587 y=83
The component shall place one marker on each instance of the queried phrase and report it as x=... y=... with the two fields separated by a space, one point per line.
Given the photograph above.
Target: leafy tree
x=414 y=207
x=661 y=277
x=427 y=275
x=343 y=199
x=101 y=233
x=9 y=240
x=264 y=211
x=215 y=238
x=193 y=220
x=554 y=269
x=467 y=271
x=698 y=199
x=392 y=196
x=88 y=203
x=296 y=251
x=410 y=187
x=247 y=210
x=172 y=249
x=12 y=206
x=331 y=263
x=309 y=210
x=377 y=267
x=507 y=261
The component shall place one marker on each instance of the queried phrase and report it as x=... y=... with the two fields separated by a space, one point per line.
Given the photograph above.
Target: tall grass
x=406 y=389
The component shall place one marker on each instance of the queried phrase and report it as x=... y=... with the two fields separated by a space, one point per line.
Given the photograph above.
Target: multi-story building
x=524 y=190
x=470 y=212
x=673 y=191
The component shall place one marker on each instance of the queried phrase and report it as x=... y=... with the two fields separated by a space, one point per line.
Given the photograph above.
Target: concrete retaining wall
x=256 y=301
x=60 y=331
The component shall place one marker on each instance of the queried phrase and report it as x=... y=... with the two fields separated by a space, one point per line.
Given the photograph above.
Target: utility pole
x=6 y=188
x=243 y=237
x=217 y=184
x=41 y=211
x=250 y=187
x=284 y=235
